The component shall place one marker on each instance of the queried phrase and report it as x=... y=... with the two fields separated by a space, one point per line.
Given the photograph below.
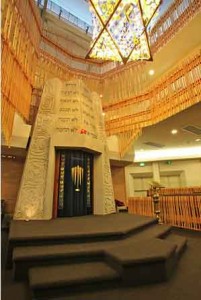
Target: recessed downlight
x=174 y=131
x=151 y=72
x=198 y=140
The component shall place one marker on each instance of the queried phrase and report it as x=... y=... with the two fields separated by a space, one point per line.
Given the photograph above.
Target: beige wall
x=122 y=182
x=11 y=174
x=67 y=36
x=118 y=180
x=188 y=171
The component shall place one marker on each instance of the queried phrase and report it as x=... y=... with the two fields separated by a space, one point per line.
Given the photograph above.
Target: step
x=51 y=280
x=143 y=261
x=48 y=251
x=26 y=257
x=179 y=241
x=75 y=230
x=153 y=231
x=78 y=229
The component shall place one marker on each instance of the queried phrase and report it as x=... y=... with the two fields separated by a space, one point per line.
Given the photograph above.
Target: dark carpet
x=185 y=284
x=83 y=226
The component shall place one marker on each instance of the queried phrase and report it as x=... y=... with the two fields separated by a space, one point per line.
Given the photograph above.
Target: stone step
x=47 y=251
x=62 y=231
x=57 y=280
x=144 y=261
x=179 y=241
x=155 y=231
x=26 y=257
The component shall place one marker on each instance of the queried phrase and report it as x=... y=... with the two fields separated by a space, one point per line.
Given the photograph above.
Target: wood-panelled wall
x=10 y=181
x=119 y=183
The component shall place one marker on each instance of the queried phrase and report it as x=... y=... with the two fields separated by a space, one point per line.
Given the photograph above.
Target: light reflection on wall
x=172 y=153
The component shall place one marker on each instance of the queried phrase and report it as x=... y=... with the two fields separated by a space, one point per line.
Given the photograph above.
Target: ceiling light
x=151 y=72
x=103 y=113
x=120 y=29
x=167 y=154
x=101 y=96
x=174 y=131
x=198 y=140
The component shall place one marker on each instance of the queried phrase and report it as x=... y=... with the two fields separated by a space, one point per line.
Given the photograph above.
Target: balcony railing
x=65 y=15
x=179 y=207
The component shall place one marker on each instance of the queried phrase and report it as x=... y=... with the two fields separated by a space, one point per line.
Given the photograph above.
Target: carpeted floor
x=185 y=284
x=78 y=226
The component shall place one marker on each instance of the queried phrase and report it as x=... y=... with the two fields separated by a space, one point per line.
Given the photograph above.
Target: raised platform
x=74 y=230
x=60 y=255
x=79 y=227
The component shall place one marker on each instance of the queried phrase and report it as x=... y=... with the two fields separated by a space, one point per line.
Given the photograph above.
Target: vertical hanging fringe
x=21 y=31
x=174 y=92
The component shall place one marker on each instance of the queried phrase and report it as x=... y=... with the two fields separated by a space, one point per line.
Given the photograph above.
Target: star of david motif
x=120 y=29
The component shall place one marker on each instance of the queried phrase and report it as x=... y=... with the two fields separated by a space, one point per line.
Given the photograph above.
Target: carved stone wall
x=30 y=202
x=109 y=206
x=66 y=110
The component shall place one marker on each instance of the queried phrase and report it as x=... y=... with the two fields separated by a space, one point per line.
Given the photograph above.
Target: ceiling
x=158 y=139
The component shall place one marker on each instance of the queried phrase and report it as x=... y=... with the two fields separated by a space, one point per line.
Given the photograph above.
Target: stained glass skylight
x=120 y=29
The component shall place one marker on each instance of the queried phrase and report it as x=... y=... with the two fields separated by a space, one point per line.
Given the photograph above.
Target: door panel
x=75 y=188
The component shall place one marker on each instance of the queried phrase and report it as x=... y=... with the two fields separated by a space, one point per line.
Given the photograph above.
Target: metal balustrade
x=174 y=18
x=155 y=32
x=65 y=15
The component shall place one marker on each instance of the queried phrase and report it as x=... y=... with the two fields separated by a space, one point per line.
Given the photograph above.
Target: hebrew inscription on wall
x=66 y=107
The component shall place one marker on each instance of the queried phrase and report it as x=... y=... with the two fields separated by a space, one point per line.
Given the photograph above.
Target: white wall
x=191 y=169
x=136 y=171
x=20 y=134
x=187 y=171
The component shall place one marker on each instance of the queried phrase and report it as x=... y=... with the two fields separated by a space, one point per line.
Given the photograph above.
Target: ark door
x=73 y=194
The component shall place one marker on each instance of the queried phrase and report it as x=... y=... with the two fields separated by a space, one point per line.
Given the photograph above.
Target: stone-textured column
x=67 y=109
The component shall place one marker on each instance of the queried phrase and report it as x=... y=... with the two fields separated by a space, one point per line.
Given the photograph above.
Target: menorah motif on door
x=77 y=177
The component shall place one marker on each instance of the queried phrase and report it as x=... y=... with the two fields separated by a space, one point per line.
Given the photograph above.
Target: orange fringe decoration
x=21 y=31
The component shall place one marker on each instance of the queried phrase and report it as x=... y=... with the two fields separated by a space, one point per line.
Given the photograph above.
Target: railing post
x=155 y=187
x=44 y=8
x=156 y=202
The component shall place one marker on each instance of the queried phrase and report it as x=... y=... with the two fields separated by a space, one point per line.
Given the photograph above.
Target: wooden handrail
x=180 y=210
